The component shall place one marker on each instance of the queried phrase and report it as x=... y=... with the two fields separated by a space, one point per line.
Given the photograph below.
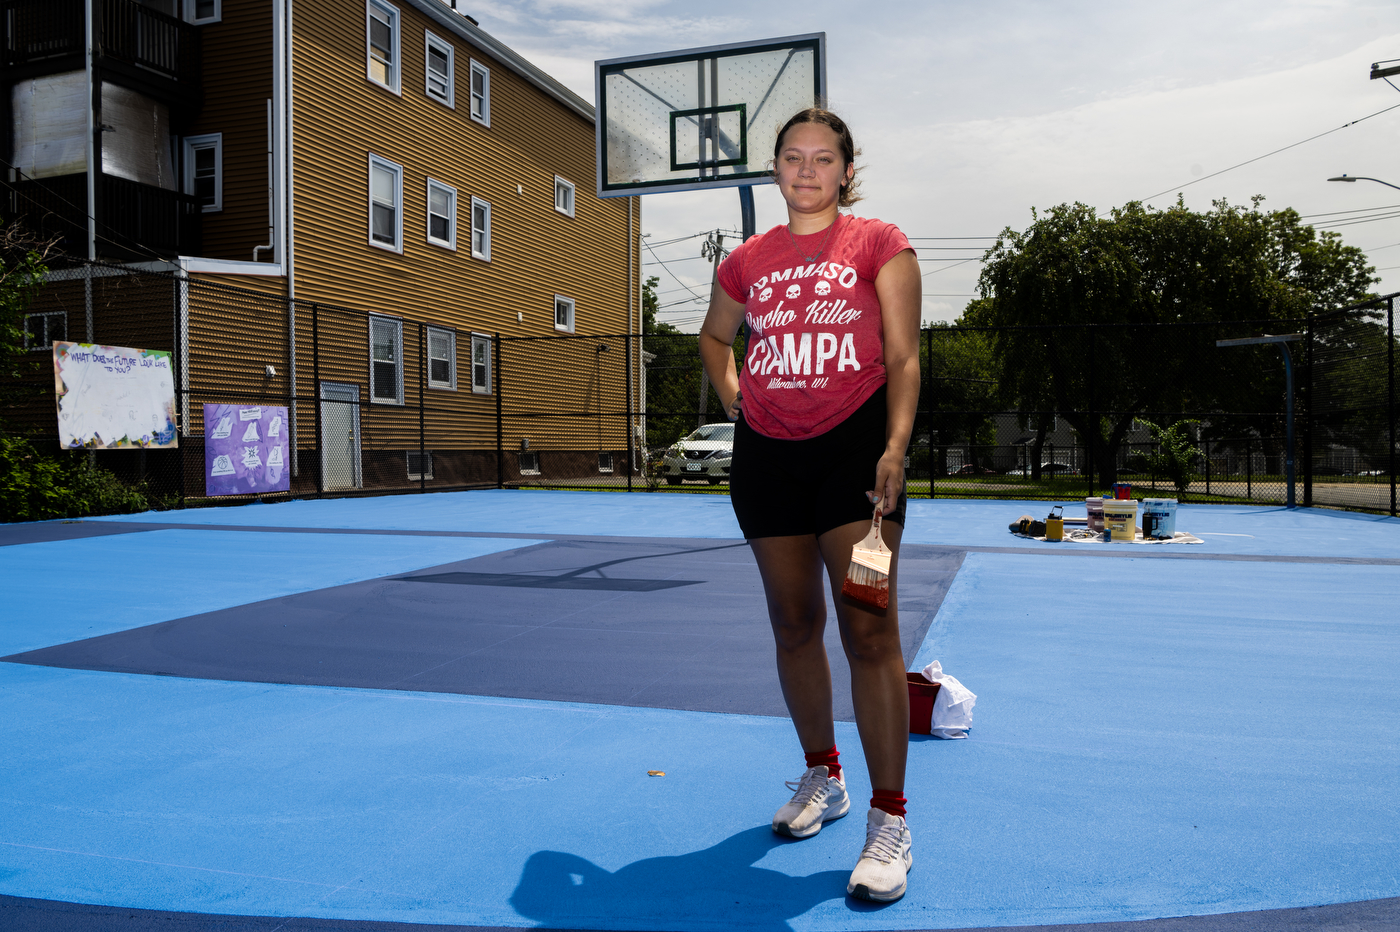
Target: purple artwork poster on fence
x=245 y=449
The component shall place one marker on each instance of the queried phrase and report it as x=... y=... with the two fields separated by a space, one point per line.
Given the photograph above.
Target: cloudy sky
x=969 y=114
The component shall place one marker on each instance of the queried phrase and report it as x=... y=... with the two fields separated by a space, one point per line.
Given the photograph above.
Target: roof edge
x=436 y=11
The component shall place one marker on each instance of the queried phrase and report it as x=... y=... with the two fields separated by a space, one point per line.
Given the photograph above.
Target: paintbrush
x=868 y=577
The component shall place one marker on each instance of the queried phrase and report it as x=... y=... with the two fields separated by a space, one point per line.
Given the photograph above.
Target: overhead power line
x=953 y=266
x=1354 y=221
x=1178 y=187
x=1354 y=210
x=669 y=261
x=668 y=269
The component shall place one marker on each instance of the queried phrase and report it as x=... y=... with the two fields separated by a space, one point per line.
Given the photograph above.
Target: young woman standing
x=825 y=405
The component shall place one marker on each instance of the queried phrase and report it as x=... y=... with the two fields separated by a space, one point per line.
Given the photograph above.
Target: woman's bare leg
x=791 y=568
x=870 y=636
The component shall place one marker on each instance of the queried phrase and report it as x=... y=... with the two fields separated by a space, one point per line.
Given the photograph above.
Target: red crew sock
x=891 y=801
x=828 y=757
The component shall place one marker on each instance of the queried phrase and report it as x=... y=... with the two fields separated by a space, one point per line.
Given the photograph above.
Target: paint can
x=1055 y=523
x=1122 y=490
x=1120 y=520
x=1094 y=506
x=1159 y=518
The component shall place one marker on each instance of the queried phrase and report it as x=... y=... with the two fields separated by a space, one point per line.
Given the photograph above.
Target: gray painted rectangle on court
x=619 y=632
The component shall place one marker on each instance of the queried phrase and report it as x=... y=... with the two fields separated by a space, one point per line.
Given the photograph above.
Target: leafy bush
x=35 y=487
x=1175 y=454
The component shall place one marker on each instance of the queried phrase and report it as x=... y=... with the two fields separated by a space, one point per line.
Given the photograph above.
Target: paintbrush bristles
x=868 y=576
x=867 y=585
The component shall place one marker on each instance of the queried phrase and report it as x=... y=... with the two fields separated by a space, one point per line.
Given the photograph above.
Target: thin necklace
x=824 y=239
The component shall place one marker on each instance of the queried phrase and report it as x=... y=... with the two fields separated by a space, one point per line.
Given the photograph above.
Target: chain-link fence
x=383 y=403
x=1349 y=455
x=1067 y=411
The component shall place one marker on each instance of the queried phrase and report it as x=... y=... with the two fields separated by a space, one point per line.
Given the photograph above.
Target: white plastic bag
x=952 y=708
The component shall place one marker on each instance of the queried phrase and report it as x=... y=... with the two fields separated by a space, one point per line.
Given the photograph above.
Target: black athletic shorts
x=784 y=488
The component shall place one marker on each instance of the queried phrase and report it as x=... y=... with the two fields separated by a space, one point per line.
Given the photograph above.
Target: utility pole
x=713 y=250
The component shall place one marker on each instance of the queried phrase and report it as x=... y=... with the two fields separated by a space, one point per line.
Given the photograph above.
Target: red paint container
x=921 y=696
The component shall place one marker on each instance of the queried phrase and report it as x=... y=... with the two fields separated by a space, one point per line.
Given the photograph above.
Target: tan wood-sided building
x=404 y=189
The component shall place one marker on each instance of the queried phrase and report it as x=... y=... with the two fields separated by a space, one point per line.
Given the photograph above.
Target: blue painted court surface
x=442 y=709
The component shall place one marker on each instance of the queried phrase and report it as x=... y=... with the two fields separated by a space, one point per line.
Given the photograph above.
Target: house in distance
x=358 y=204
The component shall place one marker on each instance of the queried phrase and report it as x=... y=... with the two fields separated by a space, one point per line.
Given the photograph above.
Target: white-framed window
x=481 y=229
x=563 y=313
x=442 y=215
x=385 y=360
x=481 y=93
x=419 y=462
x=529 y=464
x=200 y=12
x=382 y=44
x=438 y=55
x=40 y=330
x=481 y=364
x=605 y=462
x=442 y=358
x=204 y=170
x=385 y=204
x=564 y=196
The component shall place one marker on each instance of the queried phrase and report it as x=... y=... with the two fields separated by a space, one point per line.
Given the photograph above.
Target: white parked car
x=1046 y=469
x=703 y=454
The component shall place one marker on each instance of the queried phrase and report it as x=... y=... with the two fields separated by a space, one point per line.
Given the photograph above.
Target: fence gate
x=340 y=436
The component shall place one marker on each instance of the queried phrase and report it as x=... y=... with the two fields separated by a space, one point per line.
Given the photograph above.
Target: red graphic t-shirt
x=816 y=349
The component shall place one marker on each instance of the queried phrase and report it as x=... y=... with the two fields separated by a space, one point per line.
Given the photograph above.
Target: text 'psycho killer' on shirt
x=816 y=336
x=808 y=352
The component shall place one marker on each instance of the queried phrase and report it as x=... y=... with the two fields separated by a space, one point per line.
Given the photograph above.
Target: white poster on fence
x=113 y=396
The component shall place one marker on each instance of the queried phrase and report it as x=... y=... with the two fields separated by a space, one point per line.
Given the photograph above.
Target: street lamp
x=1364 y=178
x=1282 y=342
x=1384 y=69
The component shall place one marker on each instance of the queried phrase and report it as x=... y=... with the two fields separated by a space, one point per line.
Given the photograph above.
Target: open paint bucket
x=1094 y=505
x=1120 y=519
x=922 y=694
x=1159 y=518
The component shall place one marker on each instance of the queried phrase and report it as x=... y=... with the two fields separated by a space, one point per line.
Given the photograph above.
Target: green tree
x=673 y=374
x=1024 y=391
x=1174 y=455
x=1139 y=267
x=964 y=397
x=22 y=270
x=35 y=486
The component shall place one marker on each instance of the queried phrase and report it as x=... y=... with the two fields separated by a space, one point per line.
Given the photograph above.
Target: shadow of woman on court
x=562 y=890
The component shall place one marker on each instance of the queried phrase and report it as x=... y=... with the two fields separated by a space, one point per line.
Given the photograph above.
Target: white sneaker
x=818 y=799
x=885 y=861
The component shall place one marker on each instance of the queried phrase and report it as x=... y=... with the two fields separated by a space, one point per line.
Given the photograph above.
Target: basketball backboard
x=701 y=118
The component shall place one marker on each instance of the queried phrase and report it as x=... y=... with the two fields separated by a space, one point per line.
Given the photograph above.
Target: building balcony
x=135 y=45
x=135 y=222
